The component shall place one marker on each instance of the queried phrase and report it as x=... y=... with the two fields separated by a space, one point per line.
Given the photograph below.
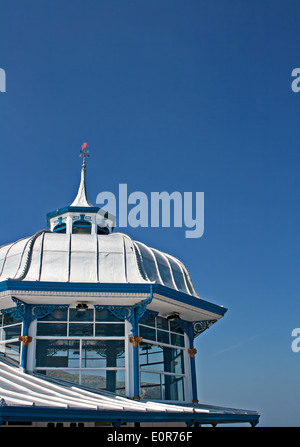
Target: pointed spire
x=82 y=198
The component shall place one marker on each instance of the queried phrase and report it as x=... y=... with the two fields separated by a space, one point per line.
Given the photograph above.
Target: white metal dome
x=91 y=258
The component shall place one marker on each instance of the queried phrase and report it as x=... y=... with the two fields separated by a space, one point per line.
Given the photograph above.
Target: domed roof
x=91 y=258
x=81 y=248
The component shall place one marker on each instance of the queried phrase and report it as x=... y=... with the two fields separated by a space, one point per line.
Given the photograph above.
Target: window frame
x=5 y=343
x=144 y=370
x=83 y=370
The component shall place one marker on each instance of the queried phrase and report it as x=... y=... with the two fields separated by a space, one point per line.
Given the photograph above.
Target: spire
x=82 y=197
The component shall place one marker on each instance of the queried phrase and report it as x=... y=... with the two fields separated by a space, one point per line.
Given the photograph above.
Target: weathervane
x=84 y=152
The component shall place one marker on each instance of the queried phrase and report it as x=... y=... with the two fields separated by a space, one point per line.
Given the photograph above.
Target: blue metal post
x=25 y=339
x=192 y=352
x=136 y=364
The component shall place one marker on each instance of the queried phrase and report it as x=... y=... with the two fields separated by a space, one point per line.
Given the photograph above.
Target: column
x=135 y=340
x=192 y=351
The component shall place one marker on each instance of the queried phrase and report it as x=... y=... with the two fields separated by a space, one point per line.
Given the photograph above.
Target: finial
x=82 y=198
x=84 y=152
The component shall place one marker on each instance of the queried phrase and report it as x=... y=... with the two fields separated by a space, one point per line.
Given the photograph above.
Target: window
x=88 y=323
x=81 y=227
x=10 y=330
x=161 y=355
x=60 y=228
x=82 y=347
x=161 y=386
x=161 y=330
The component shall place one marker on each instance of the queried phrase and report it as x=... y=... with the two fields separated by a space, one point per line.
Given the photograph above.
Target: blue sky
x=173 y=96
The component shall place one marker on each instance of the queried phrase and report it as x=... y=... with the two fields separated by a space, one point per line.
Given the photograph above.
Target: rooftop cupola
x=81 y=217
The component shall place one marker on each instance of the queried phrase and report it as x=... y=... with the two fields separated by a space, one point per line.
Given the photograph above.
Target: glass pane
x=78 y=329
x=174 y=327
x=163 y=359
x=113 y=381
x=109 y=330
x=52 y=329
x=57 y=353
x=177 y=340
x=106 y=315
x=9 y=319
x=148 y=319
x=69 y=376
x=150 y=386
x=103 y=354
x=147 y=333
x=173 y=388
x=162 y=323
x=11 y=351
x=151 y=357
x=9 y=332
x=79 y=315
x=56 y=315
x=163 y=337
x=173 y=360
x=81 y=227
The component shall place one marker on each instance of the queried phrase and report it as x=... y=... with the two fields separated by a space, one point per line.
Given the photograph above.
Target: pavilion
x=96 y=328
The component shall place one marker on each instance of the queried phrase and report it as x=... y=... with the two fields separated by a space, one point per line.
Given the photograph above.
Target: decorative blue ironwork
x=28 y=313
x=140 y=308
x=133 y=314
x=129 y=313
x=197 y=326
x=201 y=326
x=42 y=310
x=121 y=312
x=31 y=312
x=18 y=312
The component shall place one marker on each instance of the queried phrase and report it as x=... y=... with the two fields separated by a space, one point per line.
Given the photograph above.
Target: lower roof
x=30 y=397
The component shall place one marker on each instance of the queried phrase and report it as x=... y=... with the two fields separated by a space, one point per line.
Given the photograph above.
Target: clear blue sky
x=173 y=95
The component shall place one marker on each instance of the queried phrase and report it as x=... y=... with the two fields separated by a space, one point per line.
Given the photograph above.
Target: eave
x=190 y=307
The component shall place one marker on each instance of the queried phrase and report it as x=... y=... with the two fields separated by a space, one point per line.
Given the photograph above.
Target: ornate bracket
x=201 y=326
x=42 y=310
x=29 y=312
x=130 y=313
x=18 y=312
x=197 y=326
